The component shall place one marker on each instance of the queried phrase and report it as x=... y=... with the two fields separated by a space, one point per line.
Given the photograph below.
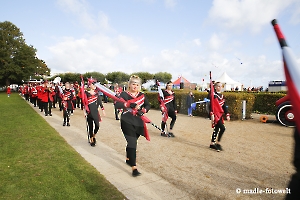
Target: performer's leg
x=215 y=133
x=172 y=114
x=90 y=125
x=34 y=101
x=173 y=117
x=222 y=130
x=50 y=108
x=68 y=117
x=97 y=125
x=65 y=114
x=45 y=105
x=60 y=104
x=131 y=139
x=116 y=113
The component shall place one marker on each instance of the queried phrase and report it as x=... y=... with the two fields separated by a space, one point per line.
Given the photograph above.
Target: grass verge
x=37 y=163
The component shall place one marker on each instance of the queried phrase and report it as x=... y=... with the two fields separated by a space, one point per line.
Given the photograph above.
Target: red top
x=8 y=90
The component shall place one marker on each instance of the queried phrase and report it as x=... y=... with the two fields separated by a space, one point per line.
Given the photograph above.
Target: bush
x=255 y=102
x=265 y=102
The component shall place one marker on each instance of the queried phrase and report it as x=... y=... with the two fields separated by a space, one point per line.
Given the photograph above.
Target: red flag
x=84 y=97
x=216 y=108
x=292 y=73
x=113 y=95
x=162 y=103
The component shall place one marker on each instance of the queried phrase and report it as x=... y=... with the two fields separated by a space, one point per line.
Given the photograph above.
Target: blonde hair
x=134 y=79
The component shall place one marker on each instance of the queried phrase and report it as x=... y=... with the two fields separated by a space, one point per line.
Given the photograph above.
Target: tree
x=145 y=76
x=70 y=77
x=18 y=60
x=163 y=76
x=96 y=75
x=117 y=77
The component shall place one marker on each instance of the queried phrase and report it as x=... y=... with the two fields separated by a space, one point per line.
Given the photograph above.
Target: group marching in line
x=131 y=102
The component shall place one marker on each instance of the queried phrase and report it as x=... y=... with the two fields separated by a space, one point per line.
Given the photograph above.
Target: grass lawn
x=37 y=163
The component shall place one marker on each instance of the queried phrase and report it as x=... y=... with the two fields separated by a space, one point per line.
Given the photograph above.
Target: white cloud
x=215 y=42
x=81 y=9
x=98 y=52
x=295 y=19
x=241 y=15
x=197 y=42
x=170 y=3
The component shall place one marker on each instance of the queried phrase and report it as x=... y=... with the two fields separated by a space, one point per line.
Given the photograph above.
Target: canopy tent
x=229 y=83
x=185 y=83
x=181 y=79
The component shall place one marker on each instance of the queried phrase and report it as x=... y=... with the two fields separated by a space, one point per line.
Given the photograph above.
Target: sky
x=186 y=38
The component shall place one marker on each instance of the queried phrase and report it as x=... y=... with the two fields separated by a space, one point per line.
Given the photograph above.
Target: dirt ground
x=257 y=156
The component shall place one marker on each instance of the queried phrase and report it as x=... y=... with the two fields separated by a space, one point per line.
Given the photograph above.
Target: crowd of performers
x=134 y=104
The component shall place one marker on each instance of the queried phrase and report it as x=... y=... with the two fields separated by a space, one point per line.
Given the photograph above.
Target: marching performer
x=217 y=108
x=131 y=123
x=44 y=94
x=93 y=116
x=67 y=104
x=117 y=90
x=170 y=105
x=8 y=91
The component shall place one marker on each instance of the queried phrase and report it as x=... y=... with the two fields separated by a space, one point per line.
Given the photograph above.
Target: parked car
x=284 y=113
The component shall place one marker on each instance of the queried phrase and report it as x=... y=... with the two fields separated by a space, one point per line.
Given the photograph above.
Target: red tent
x=181 y=79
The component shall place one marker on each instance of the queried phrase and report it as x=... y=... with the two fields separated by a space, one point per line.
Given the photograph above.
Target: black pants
x=45 y=107
x=39 y=103
x=116 y=112
x=66 y=115
x=60 y=104
x=131 y=134
x=172 y=115
x=91 y=121
x=219 y=129
x=78 y=101
x=33 y=101
x=54 y=101
x=26 y=97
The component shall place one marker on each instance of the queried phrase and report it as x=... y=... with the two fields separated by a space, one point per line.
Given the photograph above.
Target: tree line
x=113 y=77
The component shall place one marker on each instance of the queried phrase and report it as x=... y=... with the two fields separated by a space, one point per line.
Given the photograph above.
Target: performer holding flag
x=217 y=108
x=91 y=102
x=67 y=97
x=132 y=124
x=168 y=108
x=292 y=74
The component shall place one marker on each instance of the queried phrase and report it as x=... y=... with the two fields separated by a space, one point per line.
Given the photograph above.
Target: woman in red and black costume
x=219 y=127
x=67 y=104
x=131 y=123
x=93 y=116
x=169 y=100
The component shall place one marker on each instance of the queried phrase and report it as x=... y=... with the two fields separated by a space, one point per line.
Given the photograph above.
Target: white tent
x=229 y=83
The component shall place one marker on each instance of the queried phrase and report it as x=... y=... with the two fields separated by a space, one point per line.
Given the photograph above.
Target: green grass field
x=37 y=163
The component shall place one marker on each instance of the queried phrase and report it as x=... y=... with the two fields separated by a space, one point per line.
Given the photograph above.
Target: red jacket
x=33 y=92
x=8 y=90
x=44 y=94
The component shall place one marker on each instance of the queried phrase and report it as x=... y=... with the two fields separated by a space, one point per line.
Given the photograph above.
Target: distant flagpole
x=292 y=73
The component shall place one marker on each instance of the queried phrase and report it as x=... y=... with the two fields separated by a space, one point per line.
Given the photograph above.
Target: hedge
x=255 y=102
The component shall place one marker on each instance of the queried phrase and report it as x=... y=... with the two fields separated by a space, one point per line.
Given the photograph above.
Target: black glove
x=140 y=113
x=132 y=105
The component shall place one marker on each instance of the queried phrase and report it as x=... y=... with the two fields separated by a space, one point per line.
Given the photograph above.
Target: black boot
x=135 y=173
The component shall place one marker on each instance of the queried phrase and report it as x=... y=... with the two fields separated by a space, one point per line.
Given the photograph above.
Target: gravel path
x=256 y=155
